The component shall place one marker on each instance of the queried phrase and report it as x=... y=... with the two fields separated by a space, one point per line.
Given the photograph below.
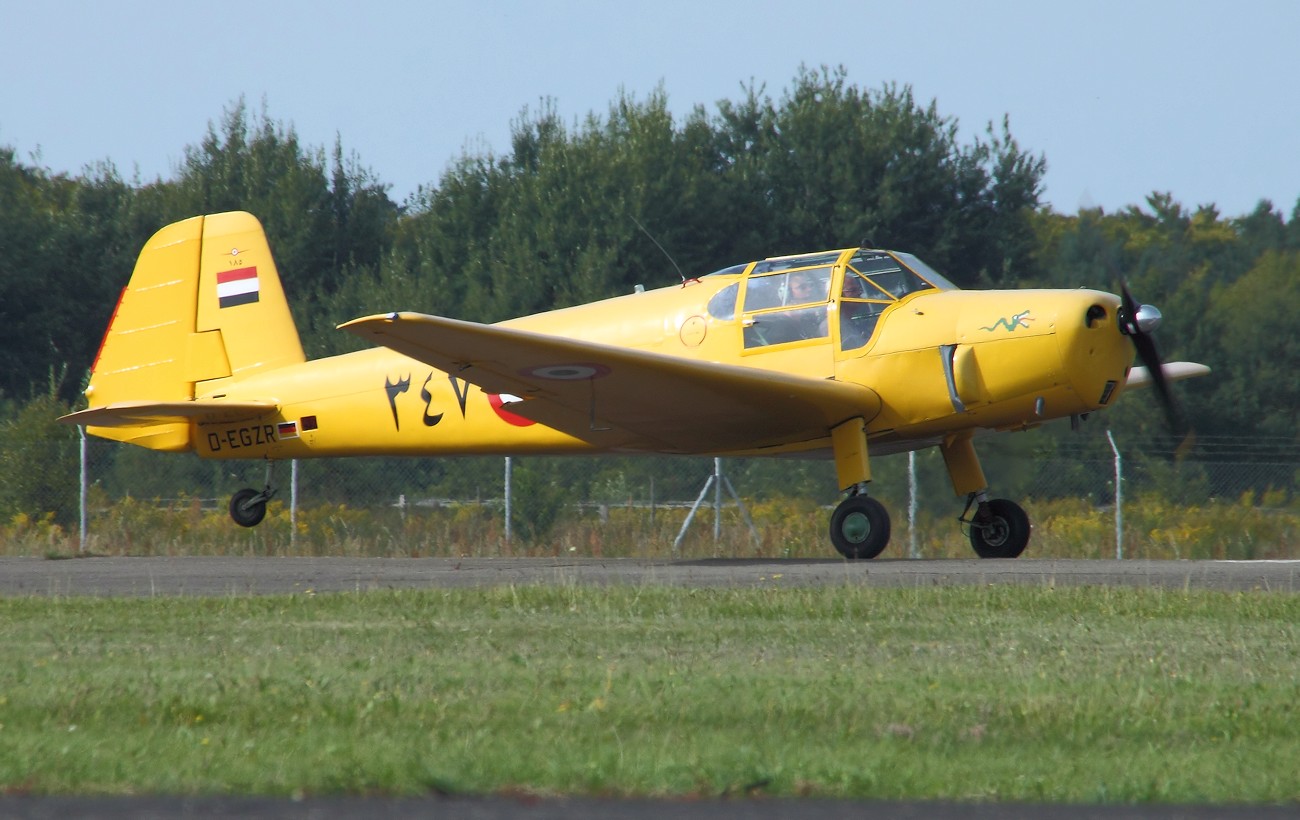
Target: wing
x=145 y=414
x=623 y=398
x=1174 y=371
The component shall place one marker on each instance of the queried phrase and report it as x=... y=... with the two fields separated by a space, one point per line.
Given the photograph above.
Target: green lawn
x=996 y=693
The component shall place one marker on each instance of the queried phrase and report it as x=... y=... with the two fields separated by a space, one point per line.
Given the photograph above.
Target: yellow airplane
x=849 y=353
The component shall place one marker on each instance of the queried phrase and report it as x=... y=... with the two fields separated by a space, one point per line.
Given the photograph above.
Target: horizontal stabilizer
x=145 y=413
x=1174 y=371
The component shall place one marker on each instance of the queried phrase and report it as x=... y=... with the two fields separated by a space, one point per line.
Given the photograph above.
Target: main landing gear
x=998 y=528
x=860 y=526
x=248 y=506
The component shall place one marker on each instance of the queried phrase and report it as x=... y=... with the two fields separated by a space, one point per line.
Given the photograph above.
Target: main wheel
x=860 y=527
x=1004 y=535
x=245 y=511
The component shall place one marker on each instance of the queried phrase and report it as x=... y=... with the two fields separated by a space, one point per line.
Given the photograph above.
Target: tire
x=245 y=514
x=860 y=528
x=1005 y=534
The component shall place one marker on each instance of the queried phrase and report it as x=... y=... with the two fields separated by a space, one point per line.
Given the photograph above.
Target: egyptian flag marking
x=237 y=287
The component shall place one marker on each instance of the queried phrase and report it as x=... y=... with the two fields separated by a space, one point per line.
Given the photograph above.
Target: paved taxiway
x=271 y=576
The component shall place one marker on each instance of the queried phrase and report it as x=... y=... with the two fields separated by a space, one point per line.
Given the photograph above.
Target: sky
x=1197 y=99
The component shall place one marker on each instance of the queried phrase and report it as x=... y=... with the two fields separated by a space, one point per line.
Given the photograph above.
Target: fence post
x=85 y=489
x=293 y=502
x=507 y=499
x=1119 y=498
x=912 y=551
x=717 y=500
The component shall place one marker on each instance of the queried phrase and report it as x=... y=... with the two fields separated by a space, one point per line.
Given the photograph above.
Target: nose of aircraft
x=1094 y=348
x=1137 y=321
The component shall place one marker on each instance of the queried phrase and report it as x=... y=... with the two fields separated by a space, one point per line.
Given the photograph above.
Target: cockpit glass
x=723 y=304
x=800 y=287
x=733 y=269
x=937 y=279
x=789 y=262
x=887 y=278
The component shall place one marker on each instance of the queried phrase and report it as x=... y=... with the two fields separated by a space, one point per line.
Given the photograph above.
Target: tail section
x=204 y=307
x=241 y=301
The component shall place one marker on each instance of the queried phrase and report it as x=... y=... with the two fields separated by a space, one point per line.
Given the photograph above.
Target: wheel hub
x=856 y=528
x=995 y=532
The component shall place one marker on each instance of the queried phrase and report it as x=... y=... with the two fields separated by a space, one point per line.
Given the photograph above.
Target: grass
x=997 y=693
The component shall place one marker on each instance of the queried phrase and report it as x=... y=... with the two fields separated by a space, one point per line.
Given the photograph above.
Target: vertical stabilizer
x=204 y=306
x=241 y=301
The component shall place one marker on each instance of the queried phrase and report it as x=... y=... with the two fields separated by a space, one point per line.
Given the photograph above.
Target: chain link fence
x=127 y=500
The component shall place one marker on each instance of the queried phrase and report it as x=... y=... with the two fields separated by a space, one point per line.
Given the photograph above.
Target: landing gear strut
x=248 y=506
x=860 y=527
x=998 y=529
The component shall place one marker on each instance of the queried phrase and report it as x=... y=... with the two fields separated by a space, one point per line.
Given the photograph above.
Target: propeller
x=1137 y=321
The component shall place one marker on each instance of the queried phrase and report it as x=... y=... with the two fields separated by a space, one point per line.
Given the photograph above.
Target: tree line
x=575 y=211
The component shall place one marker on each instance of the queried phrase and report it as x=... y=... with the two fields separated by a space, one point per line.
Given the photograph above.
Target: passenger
x=857 y=319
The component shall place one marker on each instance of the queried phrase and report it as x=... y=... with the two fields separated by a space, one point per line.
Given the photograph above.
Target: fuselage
x=941 y=360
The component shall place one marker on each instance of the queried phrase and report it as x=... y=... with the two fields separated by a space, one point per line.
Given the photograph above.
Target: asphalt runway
x=199 y=576
x=274 y=576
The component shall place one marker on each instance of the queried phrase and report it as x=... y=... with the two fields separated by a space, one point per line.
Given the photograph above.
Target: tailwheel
x=999 y=529
x=248 y=506
x=860 y=527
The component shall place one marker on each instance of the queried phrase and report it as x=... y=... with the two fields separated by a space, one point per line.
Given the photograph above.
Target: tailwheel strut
x=248 y=506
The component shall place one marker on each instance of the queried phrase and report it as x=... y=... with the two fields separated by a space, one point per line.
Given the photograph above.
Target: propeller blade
x=1150 y=358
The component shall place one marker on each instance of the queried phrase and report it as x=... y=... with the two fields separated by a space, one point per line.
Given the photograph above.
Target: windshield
x=937 y=279
x=885 y=277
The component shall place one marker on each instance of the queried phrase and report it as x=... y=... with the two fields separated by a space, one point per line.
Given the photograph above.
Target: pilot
x=806 y=287
x=803 y=288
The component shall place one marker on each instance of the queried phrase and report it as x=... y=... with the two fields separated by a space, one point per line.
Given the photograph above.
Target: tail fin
x=204 y=306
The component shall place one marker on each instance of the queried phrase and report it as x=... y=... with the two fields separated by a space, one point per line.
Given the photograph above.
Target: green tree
x=64 y=244
x=555 y=222
x=322 y=222
x=38 y=461
x=1256 y=384
x=833 y=165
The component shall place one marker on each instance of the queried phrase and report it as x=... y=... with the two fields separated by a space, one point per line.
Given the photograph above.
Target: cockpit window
x=791 y=262
x=935 y=278
x=723 y=304
x=733 y=269
x=886 y=278
x=788 y=305
x=784 y=289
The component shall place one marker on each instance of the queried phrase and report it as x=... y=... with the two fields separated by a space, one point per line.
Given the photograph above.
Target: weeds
x=787 y=528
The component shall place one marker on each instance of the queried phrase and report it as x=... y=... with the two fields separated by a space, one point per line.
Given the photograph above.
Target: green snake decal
x=1021 y=319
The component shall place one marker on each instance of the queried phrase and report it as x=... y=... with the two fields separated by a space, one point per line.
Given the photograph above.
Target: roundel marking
x=499 y=402
x=567 y=372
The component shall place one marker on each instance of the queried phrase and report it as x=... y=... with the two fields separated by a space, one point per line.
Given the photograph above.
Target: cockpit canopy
x=788 y=298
